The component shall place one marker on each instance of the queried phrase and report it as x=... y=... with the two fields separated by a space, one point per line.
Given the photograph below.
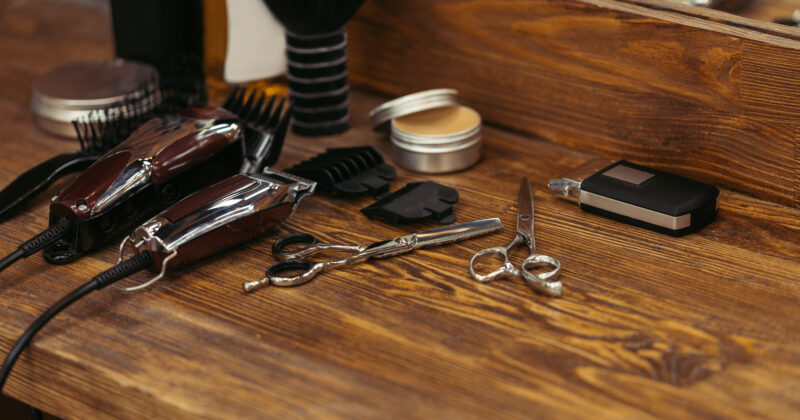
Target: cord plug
x=29 y=247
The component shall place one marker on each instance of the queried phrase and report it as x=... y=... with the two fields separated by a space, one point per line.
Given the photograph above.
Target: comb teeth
x=251 y=108
x=265 y=125
x=180 y=85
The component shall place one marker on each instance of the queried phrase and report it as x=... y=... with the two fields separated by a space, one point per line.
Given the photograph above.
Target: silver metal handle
x=271 y=278
x=546 y=283
x=319 y=248
x=505 y=270
x=310 y=270
x=312 y=246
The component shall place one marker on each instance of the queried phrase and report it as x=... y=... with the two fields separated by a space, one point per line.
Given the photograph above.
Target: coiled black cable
x=110 y=276
x=49 y=236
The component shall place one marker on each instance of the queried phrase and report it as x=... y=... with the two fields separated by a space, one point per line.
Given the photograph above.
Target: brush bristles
x=311 y=17
x=181 y=84
x=103 y=129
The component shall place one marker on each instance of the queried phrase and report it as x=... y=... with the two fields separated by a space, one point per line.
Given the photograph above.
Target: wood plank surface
x=699 y=92
x=649 y=326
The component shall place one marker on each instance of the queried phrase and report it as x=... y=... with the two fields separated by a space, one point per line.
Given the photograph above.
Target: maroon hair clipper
x=217 y=218
x=164 y=160
x=211 y=220
x=158 y=164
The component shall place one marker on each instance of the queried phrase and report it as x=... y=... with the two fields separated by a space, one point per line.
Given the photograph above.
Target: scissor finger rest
x=505 y=270
x=313 y=246
x=308 y=268
x=291 y=239
x=294 y=264
x=546 y=283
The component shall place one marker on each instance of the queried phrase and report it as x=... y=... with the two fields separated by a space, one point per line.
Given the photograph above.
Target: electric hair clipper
x=217 y=218
x=165 y=159
x=211 y=220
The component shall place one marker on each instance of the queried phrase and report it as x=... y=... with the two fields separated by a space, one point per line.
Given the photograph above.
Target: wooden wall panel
x=706 y=96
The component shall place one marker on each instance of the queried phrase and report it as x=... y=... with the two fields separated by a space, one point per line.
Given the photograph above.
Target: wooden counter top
x=649 y=326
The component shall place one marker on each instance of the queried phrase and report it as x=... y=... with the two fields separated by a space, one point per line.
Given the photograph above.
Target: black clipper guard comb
x=416 y=202
x=348 y=171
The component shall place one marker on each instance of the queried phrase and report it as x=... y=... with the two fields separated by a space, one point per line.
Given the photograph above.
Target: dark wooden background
x=649 y=326
x=699 y=92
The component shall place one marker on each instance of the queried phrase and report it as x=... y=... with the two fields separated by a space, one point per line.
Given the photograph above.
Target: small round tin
x=73 y=91
x=430 y=132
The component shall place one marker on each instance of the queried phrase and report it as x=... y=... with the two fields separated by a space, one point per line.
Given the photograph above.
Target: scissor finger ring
x=546 y=282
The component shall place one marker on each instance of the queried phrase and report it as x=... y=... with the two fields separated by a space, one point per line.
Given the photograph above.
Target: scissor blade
x=457 y=232
x=525 y=209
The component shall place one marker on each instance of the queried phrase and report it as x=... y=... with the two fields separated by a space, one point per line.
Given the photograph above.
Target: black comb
x=349 y=171
x=416 y=202
x=265 y=126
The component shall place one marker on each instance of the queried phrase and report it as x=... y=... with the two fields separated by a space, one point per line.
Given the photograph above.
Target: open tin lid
x=411 y=104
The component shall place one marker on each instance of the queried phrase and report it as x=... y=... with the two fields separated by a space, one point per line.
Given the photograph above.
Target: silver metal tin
x=411 y=104
x=425 y=152
x=437 y=154
x=73 y=91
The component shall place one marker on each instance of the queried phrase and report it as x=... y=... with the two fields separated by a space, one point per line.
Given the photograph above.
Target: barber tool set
x=163 y=160
x=178 y=182
x=206 y=164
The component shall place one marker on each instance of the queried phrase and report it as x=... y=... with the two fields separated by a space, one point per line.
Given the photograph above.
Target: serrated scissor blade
x=457 y=232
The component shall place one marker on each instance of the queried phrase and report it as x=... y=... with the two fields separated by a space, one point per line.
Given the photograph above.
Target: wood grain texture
x=698 y=92
x=650 y=326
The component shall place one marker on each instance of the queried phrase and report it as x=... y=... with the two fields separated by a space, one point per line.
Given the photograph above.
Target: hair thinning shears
x=546 y=283
x=294 y=260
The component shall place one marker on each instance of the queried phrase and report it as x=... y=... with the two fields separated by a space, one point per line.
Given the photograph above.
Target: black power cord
x=36 y=414
x=110 y=276
x=49 y=236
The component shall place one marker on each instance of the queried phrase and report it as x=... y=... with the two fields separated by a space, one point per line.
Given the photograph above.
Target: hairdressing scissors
x=547 y=282
x=388 y=248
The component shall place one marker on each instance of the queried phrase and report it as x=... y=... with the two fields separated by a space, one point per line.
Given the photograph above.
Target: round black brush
x=316 y=50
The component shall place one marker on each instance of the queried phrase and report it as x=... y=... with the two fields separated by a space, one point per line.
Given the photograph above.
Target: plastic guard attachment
x=415 y=202
x=351 y=170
